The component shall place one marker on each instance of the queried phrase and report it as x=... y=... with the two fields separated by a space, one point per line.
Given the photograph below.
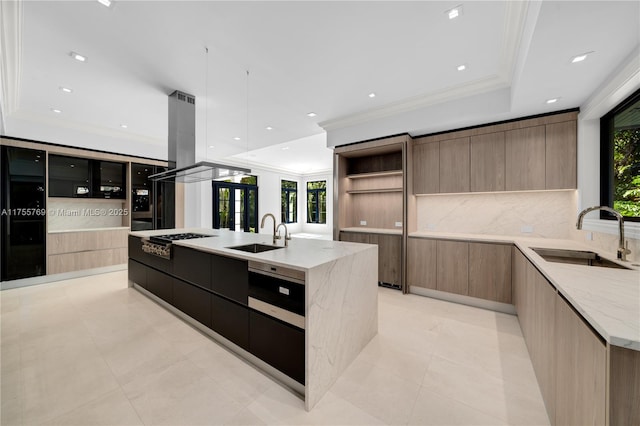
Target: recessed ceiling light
x=66 y=89
x=284 y=148
x=372 y=95
x=455 y=12
x=580 y=58
x=311 y=114
x=107 y=3
x=78 y=57
x=124 y=126
x=211 y=146
x=236 y=138
x=552 y=101
x=462 y=67
x=269 y=128
x=57 y=111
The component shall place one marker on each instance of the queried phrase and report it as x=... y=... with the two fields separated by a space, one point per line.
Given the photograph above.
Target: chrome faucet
x=623 y=251
x=274 y=225
x=287 y=237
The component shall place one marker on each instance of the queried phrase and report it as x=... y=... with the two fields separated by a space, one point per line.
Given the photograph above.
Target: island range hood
x=182 y=146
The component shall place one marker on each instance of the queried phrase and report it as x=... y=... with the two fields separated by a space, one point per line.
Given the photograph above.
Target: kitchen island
x=301 y=313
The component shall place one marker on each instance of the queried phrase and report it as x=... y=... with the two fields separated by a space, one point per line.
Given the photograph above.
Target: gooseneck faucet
x=274 y=225
x=622 y=250
x=287 y=237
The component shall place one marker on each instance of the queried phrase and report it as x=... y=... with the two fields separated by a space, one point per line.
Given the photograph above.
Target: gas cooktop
x=167 y=239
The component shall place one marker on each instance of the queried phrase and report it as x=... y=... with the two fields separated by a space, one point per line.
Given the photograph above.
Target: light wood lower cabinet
x=624 y=386
x=421 y=263
x=79 y=250
x=389 y=253
x=453 y=266
x=490 y=271
x=581 y=365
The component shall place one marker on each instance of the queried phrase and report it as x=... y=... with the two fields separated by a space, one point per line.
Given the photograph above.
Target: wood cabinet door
x=230 y=278
x=519 y=284
x=354 y=237
x=454 y=165
x=193 y=301
x=453 y=266
x=231 y=320
x=421 y=263
x=490 y=271
x=561 y=155
x=581 y=371
x=525 y=159
x=192 y=266
x=542 y=337
x=389 y=257
x=426 y=168
x=487 y=162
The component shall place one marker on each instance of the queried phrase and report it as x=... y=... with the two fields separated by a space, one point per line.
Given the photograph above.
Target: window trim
x=606 y=157
x=317 y=193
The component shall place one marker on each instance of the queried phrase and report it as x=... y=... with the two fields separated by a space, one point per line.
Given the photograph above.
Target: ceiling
x=253 y=65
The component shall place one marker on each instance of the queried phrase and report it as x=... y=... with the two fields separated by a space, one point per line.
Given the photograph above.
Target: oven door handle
x=277 y=312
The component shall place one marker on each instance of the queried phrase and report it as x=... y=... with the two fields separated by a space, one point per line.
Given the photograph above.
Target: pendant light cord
x=206 y=102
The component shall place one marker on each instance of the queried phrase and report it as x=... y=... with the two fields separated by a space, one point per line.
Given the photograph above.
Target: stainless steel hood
x=182 y=146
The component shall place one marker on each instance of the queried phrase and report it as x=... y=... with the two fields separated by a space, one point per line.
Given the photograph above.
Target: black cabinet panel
x=231 y=321
x=160 y=284
x=84 y=178
x=193 y=301
x=193 y=266
x=136 y=253
x=230 y=278
x=108 y=179
x=138 y=273
x=278 y=344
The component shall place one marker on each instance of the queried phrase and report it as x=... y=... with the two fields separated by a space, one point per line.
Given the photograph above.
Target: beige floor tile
x=437 y=410
x=108 y=410
x=182 y=336
x=333 y=410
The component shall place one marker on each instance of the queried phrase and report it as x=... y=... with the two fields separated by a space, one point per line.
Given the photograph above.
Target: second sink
x=255 y=248
x=576 y=257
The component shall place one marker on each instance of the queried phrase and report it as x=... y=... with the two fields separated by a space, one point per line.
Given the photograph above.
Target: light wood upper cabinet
x=487 y=162
x=454 y=165
x=525 y=159
x=421 y=263
x=426 y=168
x=490 y=271
x=581 y=371
x=561 y=154
x=453 y=266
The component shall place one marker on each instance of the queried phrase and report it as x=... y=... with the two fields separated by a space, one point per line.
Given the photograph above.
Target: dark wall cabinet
x=76 y=177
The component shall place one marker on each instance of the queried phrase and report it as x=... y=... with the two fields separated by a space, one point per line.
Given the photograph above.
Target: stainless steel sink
x=576 y=257
x=255 y=248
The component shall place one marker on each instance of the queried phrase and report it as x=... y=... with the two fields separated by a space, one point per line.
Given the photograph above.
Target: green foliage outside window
x=626 y=161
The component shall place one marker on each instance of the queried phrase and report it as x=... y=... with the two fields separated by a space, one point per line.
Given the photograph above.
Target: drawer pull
x=283 y=290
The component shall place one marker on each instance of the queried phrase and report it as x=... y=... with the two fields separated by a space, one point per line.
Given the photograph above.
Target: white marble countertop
x=373 y=230
x=301 y=253
x=111 y=228
x=607 y=298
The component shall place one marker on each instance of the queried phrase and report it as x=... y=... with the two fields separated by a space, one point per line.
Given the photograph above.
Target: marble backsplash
x=545 y=214
x=63 y=214
x=607 y=244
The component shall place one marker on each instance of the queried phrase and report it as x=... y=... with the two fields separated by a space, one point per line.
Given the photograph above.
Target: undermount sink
x=255 y=248
x=576 y=257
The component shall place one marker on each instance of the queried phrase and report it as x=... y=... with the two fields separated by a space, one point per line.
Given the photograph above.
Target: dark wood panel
x=278 y=344
x=426 y=168
x=389 y=257
x=490 y=271
x=192 y=266
x=160 y=284
x=137 y=273
x=354 y=237
x=231 y=320
x=421 y=263
x=193 y=301
x=375 y=163
x=230 y=278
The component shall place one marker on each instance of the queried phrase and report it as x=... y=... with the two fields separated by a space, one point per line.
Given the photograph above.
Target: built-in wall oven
x=278 y=292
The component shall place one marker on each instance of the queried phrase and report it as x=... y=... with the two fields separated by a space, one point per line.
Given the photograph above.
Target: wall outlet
x=431 y=226
x=526 y=229
x=398 y=224
x=363 y=223
x=588 y=236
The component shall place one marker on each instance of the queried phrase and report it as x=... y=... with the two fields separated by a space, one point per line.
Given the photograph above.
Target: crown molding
x=516 y=13
x=11 y=59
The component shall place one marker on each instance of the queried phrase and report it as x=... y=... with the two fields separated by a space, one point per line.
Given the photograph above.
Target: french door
x=235 y=207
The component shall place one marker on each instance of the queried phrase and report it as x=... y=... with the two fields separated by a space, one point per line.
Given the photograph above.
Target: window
x=317 y=202
x=235 y=204
x=620 y=159
x=289 y=197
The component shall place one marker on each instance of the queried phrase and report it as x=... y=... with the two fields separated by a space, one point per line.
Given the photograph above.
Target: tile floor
x=93 y=351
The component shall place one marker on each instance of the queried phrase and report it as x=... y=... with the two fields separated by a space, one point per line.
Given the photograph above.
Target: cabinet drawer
x=137 y=273
x=230 y=278
x=231 y=320
x=160 y=284
x=192 y=266
x=136 y=253
x=193 y=301
x=278 y=344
